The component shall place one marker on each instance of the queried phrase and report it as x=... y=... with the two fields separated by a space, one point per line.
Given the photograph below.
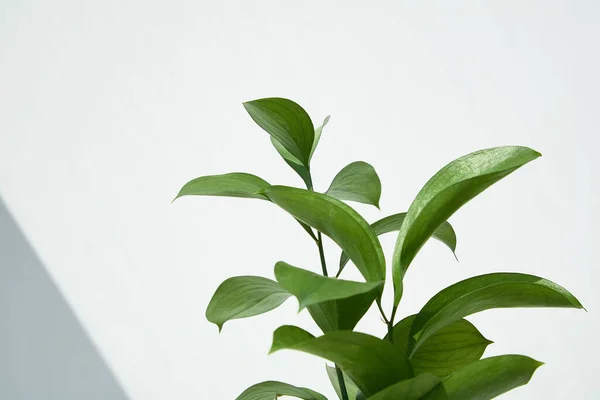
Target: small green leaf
x=342 y=314
x=271 y=390
x=447 y=191
x=338 y=221
x=357 y=181
x=236 y=184
x=488 y=378
x=318 y=132
x=351 y=387
x=444 y=233
x=311 y=288
x=287 y=122
x=497 y=290
x=447 y=350
x=422 y=387
x=242 y=297
x=373 y=364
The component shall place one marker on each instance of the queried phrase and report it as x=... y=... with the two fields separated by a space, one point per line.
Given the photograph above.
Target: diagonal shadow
x=44 y=352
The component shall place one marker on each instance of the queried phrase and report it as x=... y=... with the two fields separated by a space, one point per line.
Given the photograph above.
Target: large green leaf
x=311 y=288
x=497 y=290
x=338 y=221
x=373 y=364
x=351 y=388
x=287 y=122
x=357 y=181
x=296 y=164
x=236 y=184
x=447 y=191
x=271 y=390
x=444 y=233
x=422 y=387
x=488 y=378
x=242 y=297
x=342 y=314
x=447 y=350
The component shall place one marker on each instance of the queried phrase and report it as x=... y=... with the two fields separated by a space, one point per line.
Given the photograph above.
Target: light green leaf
x=271 y=390
x=444 y=233
x=447 y=191
x=338 y=221
x=447 y=350
x=318 y=132
x=497 y=290
x=342 y=314
x=311 y=288
x=422 y=387
x=287 y=122
x=351 y=388
x=236 y=184
x=357 y=181
x=488 y=378
x=242 y=297
x=373 y=364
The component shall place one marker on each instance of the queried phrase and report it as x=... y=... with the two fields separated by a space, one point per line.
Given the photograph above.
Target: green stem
x=340 y=376
x=391 y=324
x=321 y=253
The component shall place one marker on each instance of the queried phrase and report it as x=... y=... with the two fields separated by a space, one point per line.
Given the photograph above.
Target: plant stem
x=319 y=241
x=391 y=324
x=340 y=377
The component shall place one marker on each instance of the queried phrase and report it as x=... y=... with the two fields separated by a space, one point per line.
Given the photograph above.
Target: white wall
x=109 y=107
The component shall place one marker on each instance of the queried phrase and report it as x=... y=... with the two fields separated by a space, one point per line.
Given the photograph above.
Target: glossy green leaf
x=444 y=233
x=351 y=388
x=310 y=288
x=497 y=290
x=357 y=181
x=242 y=297
x=447 y=191
x=447 y=350
x=422 y=387
x=237 y=184
x=373 y=364
x=272 y=390
x=338 y=221
x=287 y=122
x=342 y=314
x=488 y=378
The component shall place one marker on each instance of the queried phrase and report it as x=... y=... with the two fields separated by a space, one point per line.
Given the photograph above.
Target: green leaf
x=236 y=184
x=338 y=221
x=447 y=350
x=497 y=290
x=311 y=288
x=422 y=387
x=342 y=314
x=447 y=191
x=373 y=364
x=318 y=132
x=351 y=387
x=488 y=378
x=287 y=122
x=444 y=233
x=357 y=181
x=244 y=296
x=271 y=390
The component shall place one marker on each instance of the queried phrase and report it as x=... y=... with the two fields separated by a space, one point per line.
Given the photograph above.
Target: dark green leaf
x=357 y=181
x=488 y=378
x=236 y=184
x=311 y=288
x=447 y=191
x=447 y=350
x=271 y=390
x=287 y=122
x=242 y=297
x=351 y=387
x=342 y=314
x=444 y=233
x=373 y=364
x=497 y=290
x=422 y=387
x=338 y=221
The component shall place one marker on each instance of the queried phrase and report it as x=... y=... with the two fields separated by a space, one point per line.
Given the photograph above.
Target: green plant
x=435 y=354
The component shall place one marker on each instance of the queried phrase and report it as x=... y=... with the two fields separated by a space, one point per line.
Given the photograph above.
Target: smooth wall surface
x=109 y=107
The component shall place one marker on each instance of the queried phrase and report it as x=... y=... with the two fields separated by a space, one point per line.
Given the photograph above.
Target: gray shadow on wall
x=45 y=354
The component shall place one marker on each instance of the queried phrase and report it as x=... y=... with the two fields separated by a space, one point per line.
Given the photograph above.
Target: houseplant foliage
x=435 y=354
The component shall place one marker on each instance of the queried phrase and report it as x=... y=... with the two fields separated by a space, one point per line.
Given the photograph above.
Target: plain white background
x=107 y=108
